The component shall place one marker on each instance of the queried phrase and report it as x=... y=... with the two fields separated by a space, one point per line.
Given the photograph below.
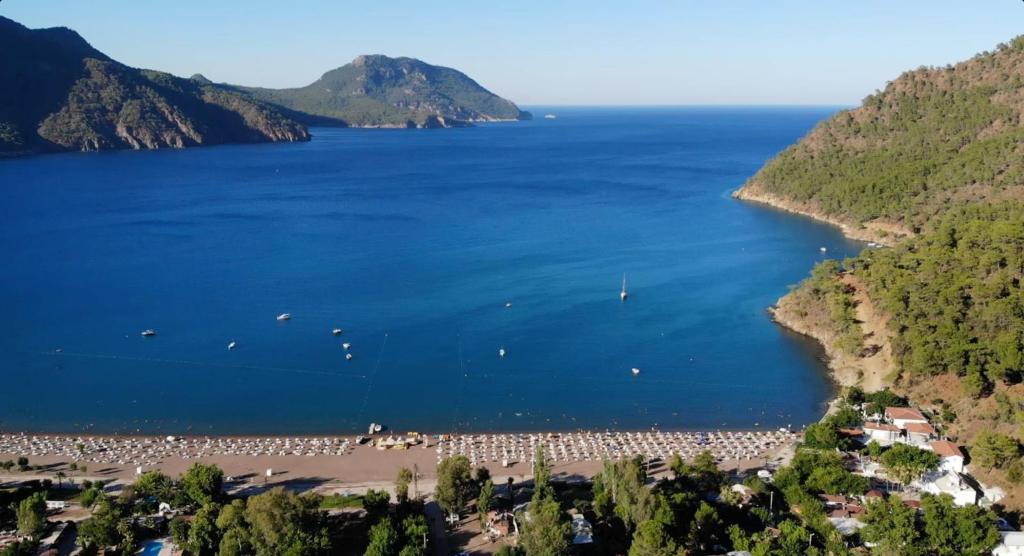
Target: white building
x=948 y=482
x=1012 y=544
x=900 y=416
x=883 y=433
x=950 y=456
x=919 y=434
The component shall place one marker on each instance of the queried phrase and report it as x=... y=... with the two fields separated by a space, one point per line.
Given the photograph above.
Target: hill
x=378 y=91
x=61 y=94
x=933 y=137
x=931 y=166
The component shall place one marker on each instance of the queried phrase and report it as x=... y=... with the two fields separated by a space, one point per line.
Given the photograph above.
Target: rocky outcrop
x=65 y=95
x=378 y=91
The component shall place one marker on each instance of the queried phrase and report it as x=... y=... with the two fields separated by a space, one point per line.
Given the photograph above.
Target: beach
x=339 y=464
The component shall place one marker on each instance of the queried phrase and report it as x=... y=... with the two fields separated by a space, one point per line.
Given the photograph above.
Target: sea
x=432 y=251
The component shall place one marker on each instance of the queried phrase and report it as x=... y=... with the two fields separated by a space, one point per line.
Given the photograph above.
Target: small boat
x=348 y=357
x=360 y=439
x=501 y=352
x=346 y=345
x=508 y=304
x=550 y=116
x=284 y=316
x=336 y=332
x=149 y=332
x=635 y=371
x=623 y=294
x=822 y=249
x=232 y=345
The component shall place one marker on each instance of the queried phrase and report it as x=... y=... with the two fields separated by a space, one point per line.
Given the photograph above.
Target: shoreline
x=881 y=234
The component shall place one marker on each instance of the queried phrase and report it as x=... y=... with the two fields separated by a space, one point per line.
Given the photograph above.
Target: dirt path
x=877 y=367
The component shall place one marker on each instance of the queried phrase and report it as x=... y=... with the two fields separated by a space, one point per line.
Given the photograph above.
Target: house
x=883 y=433
x=900 y=416
x=950 y=456
x=1012 y=544
x=847 y=525
x=953 y=484
x=919 y=434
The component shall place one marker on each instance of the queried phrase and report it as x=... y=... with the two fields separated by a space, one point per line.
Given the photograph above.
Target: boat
x=232 y=345
x=501 y=352
x=550 y=116
x=284 y=316
x=508 y=304
x=149 y=332
x=372 y=428
x=336 y=332
x=623 y=294
x=346 y=345
x=360 y=439
x=822 y=249
x=635 y=371
x=348 y=357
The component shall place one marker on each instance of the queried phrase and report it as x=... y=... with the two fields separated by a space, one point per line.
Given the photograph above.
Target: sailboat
x=623 y=294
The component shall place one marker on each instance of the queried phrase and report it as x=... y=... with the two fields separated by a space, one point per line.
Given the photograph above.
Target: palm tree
x=60 y=478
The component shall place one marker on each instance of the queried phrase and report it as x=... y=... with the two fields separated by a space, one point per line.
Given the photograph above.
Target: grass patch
x=336 y=501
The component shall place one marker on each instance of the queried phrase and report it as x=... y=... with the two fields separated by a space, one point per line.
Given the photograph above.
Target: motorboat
x=336 y=332
x=284 y=316
x=635 y=371
x=232 y=345
x=149 y=332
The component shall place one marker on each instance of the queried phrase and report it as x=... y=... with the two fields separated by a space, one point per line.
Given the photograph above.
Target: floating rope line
x=372 y=379
x=461 y=389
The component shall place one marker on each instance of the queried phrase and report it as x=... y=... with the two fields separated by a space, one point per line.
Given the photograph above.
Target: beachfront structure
x=951 y=458
x=951 y=483
x=1011 y=544
x=900 y=416
x=883 y=433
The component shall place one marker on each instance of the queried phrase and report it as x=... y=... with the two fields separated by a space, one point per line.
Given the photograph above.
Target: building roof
x=905 y=414
x=946 y=449
x=871 y=426
x=919 y=428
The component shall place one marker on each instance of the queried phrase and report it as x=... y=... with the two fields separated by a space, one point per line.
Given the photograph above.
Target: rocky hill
x=378 y=91
x=61 y=94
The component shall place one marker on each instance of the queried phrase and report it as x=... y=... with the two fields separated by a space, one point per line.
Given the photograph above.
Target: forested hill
x=938 y=154
x=933 y=137
x=378 y=91
x=59 y=93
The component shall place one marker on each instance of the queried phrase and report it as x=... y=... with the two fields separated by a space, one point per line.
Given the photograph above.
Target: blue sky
x=551 y=52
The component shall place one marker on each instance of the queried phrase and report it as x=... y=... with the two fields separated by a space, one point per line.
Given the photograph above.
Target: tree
x=483 y=501
x=283 y=522
x=541 y=475
x=906 y=463
x=415 y=531
x=157 y=485
x=376 y=503
x=32 y=515
x=994 y=450
x=891 y=525
x=651 y=539
x=953 y=531
x=203 y=483
x=101 y=530
x=179 y=532
x=204 y=535
x=384 y=539
x=402 y=485
x=545 y=533
x=705 y=527
x=454 y=484
x=232 y=523
x=60 y=476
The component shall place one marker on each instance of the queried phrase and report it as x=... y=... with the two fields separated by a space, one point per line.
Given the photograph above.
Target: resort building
x=951 y=458
x=919 y=434
x=951 y=483
x=883 y=433
x=1012 y=544
x=900 y=416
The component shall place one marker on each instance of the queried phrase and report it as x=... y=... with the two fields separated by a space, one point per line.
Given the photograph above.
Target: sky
x=595 y=52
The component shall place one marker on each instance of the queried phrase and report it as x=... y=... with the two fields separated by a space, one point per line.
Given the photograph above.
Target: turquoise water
x=412 y=242
x=152 y=548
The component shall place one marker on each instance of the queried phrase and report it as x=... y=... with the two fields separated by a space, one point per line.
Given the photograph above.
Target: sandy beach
x=338 y=464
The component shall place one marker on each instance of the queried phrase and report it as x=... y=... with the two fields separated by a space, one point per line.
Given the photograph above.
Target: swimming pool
x=152 y=548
